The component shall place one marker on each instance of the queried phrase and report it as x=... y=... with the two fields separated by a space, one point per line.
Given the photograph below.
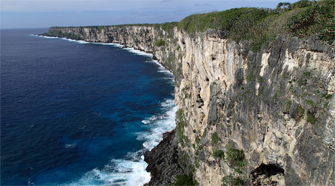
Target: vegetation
x=181 y=123
x=229 y=20
x=250 y=76
x=310 y=117
x=215 y=138
x=235 y=156
x=59 y=33
x=260 y=26
x=315 y=17
x=185 y=179
x=300 y=112
x=160 y=43
x=327 y=96
x=260 y=79
x=231 y=181
x=288 y=105
x=218 y=154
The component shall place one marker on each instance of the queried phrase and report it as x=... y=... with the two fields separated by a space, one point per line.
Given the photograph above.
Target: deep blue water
x=75 y=113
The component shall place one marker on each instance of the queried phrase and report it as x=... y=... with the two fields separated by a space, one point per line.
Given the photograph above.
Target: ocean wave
x=131 y=170
x=118 y=172
x=111 y=44
x=49 y=37
x=138 y=52
x=77 y=41
x=162 y=68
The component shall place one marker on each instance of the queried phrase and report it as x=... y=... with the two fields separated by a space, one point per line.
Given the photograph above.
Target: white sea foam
x=131 y=170
x=77 y=41
x=160 y=126
x=70 y=146
x=149 y=120
x=119 y=172
x=138 y=52
x=71 y=40
x=49 y=37
x=112 y=44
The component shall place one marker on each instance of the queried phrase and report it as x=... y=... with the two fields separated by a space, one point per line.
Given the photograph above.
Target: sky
x=47 y=13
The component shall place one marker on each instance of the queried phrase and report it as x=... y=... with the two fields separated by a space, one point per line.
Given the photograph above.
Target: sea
x=78 y=113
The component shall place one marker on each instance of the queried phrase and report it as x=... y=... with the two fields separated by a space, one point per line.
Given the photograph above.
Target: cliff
x=245 y=117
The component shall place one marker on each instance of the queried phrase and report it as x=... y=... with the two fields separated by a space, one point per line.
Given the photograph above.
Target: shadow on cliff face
x=270 y=174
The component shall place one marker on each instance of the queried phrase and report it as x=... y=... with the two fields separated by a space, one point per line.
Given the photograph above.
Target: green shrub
x=302 y=82
x=301 y=4
x=260 y=79
x=235 y=157
x=310 y=117
x=315 y=18
x=327 y=96
x=215 y=138
x=307 y=73
x=160 y=43
x=300 y=112
x=204 y=134
x=197 y=140
x=288 y=105
x=261 y=91
x=250 y=76
x=180 y=124
x=218 y=154
x=310 y=102
x=283 y=6
x=231 y=181
x=185 y=179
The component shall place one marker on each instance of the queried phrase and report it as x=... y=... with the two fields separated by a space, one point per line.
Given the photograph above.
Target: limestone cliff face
x=257 y=118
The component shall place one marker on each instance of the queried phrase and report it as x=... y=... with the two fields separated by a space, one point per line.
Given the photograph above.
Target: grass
x=215 y=138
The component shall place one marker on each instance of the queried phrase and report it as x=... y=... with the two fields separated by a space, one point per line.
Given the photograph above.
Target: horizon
x=22 y=14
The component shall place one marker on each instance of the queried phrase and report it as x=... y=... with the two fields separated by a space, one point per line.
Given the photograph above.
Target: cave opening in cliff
x=264 y=174
x=268 y=170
